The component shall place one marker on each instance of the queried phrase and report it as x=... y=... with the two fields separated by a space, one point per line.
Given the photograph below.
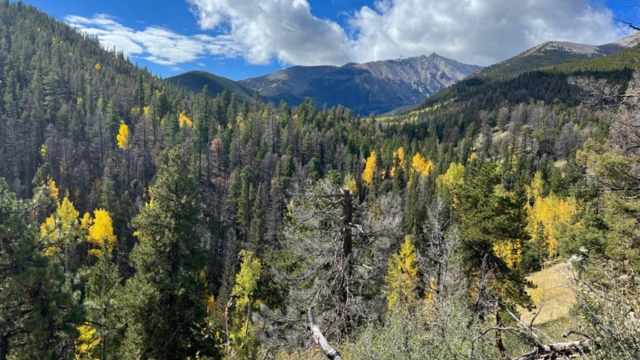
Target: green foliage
x=39 y=313
x=427 y=333
x=488 y=220
x=164 y=300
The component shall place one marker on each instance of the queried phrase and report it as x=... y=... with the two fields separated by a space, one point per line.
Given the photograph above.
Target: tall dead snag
x=322 y=259
x=320 y=340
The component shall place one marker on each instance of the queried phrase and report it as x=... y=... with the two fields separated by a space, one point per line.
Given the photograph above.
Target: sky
x=239 y=39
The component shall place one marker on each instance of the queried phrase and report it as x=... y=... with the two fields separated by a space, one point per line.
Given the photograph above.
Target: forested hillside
x=142 y=221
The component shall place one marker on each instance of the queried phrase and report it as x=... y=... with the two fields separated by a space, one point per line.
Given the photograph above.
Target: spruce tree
x=164 y=300
x=488 y=220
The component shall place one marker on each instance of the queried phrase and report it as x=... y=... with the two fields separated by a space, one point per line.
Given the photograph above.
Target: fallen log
x=319 y=339
x=554 y=351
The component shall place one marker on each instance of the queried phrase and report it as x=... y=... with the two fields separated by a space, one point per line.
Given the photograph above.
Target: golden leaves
x=399 y=161
x=184 y=120
x=54 y=192
x=101 y=232
x=247 y=278
x=87 y=341
x=421 y=165
x=402 y=277
x=369 y=170
x=123 y=137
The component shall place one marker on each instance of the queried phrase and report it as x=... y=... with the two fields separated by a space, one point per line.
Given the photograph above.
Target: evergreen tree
x=38 y=315
x=487 y=220
x=165 y=298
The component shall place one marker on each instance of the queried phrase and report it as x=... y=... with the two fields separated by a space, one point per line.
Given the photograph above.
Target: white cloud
x=473 y=31
x=155 y=44
x=281 y=29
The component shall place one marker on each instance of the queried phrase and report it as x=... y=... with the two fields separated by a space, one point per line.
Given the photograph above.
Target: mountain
x=373 y=87
x=555 y=52
x=196 y=80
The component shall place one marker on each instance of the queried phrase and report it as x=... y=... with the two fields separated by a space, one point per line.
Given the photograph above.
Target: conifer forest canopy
x=141 y=220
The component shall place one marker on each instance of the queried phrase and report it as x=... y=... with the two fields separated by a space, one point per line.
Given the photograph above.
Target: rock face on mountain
x=556 y=52
x=374 y=87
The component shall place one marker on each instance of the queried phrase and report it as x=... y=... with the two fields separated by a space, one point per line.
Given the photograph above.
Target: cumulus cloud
x=475 y=31
x=260 y=31
x=281 y=29
x=156 y=44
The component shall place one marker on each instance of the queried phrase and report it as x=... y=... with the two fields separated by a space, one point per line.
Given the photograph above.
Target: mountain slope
x=196 y=80
x=374 y=87
x=555 y=52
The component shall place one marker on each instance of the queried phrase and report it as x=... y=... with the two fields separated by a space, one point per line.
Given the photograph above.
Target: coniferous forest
x=139 y=220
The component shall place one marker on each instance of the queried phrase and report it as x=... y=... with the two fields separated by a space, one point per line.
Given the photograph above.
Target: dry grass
x=560 y=163
x=554 y=293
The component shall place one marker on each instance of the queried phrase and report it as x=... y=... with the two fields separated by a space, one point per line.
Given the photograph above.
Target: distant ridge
x=196 y=80
x=553 y=53
x=374 y=87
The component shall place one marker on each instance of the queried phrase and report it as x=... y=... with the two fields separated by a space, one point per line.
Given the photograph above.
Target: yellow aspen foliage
x=86 y=222
x=536 y=188
x=43 y=150
x=98 y=66
x=210 y=303
x=184 y=120
x=547 y=212
x=246 y=279
x=428 y=296
x=370 y=169
x=123 y=137
x=421 y=165
x=399 y=161
x=350 y=184
x=86 y=342
x=59 y=228
x=452 y=178
x=54 y=192
x=243 y=345
x=402 y=277
x=79 y=101
x=510 y=252
x=101 y=232
x=145 y=110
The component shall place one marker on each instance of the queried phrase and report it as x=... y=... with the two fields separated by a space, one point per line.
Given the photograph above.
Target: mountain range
x=391 y=85
x=373 y=87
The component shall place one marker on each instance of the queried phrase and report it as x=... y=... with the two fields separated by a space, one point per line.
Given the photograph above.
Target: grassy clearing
x=554 y=293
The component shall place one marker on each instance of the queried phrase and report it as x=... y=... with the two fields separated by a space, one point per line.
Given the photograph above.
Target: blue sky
x=246 y=38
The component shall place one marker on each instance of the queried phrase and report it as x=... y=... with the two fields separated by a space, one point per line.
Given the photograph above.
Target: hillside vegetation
x=197 y=80
x=139 y=220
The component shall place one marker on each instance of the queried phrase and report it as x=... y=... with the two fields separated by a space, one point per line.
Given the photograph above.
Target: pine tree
x=38 y=314
x=162 y=299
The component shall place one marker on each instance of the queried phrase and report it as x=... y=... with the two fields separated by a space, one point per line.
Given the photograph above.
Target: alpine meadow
x=417 y=208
